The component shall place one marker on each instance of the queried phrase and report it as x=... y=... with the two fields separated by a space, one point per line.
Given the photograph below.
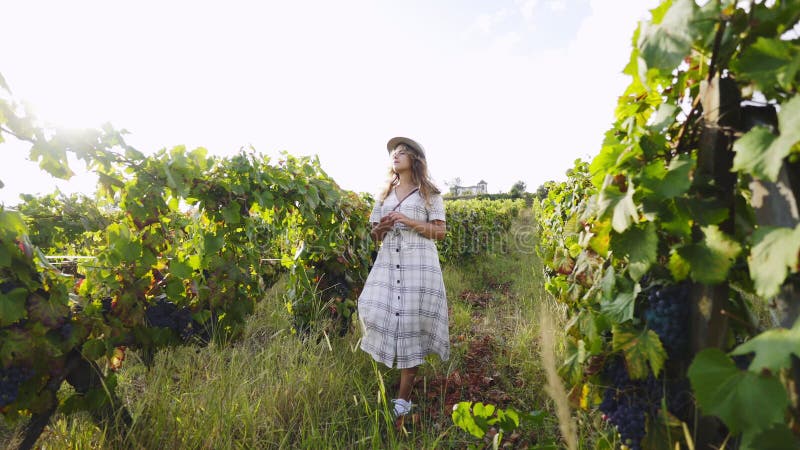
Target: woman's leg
x=406 y=382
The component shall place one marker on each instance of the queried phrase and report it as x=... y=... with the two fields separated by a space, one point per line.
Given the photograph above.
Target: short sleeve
x=436 y=210
x=375 y=217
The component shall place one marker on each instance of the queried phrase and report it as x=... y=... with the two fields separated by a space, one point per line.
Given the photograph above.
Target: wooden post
x=720 y=100
x=776 y=204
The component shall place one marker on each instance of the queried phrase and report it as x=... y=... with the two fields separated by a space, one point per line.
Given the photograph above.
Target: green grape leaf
x=776 y=437
x=48 y=311
x=573 y=364
x=483 y=411
x=232 y=213
x=175 y=289
x=52 y=159
x=94 y=349
x=706 y=211
x=733 y=395
x=121 y=242
x=663 y=117
x=611 y=155
x=266 y=200
x=198 y=158
x=591 y=325
x=710 y=260
x=173 y=204
x=195 y=262
x=677 y=180
x=621 y=308
x=608 y=282
x=12 y=306
x=756 y=155
x=768 y=61
x=774 y=254
x=213 y=243
x=760 y=153
x=773 y=348
x=663 y=44
x=678 y=266
x=621 y=205
x=639 y=348
x=652 y=174
x=180 y=268
x=639 y=244
x=15 y=343
x=463 y=418
x=507 y=419
x=674 y=220
x=601 y=237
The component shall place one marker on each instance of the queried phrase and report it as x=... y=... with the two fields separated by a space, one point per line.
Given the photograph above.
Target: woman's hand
x=435 y=229
x=396 y=216
x=380 y=230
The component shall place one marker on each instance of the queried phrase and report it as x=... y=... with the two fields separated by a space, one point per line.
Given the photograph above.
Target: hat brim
x=395 y=141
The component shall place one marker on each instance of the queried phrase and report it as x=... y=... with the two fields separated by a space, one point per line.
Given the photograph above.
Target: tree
x=518 y=189
x=453 y=185
x=541 y=192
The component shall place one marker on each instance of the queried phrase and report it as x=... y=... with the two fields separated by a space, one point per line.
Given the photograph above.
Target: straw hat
x=393 y=142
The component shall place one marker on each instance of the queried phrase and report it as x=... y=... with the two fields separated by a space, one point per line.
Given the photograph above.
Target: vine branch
x=712 y=69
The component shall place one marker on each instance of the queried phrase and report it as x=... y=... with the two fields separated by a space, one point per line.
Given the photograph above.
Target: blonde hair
x=419 y=175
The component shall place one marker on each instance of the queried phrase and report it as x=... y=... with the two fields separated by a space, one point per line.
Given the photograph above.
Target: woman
x=403 y=307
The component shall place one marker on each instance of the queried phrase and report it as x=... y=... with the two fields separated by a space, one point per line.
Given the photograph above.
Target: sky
x=500 y=91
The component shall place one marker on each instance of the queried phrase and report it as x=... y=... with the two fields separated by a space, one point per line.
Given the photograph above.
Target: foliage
x=650 y=211
x=480 y=419
x=518 y=189
x=58 y=223
x=477 y=227
x=178 y=247
x=186 y=234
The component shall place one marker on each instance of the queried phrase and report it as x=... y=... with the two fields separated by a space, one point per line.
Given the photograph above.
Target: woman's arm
x=435 y=229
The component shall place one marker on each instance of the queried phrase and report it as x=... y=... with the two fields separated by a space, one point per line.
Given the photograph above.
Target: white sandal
x=401 y=407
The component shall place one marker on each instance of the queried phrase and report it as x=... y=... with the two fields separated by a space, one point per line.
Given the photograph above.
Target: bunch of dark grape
x=10 y=380
x=106 y=303
x=7 y=286
x=668 y=316
x=624 y=405
x=65 y=330
x=628 y=403
x=165 y=314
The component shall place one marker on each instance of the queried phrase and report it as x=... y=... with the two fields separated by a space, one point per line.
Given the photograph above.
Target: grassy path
x=271 y=390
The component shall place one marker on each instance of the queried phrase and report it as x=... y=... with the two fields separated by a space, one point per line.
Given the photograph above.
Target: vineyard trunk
x=83 y=376
x=720 y=102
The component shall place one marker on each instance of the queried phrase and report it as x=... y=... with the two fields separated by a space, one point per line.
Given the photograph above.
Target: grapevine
x=175 y=248
x=654 y=244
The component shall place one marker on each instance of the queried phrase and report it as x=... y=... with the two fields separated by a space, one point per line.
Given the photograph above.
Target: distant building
x=479 y=188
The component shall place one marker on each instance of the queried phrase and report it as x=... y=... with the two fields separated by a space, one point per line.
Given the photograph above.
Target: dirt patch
x=478 y=299
x=477 y=381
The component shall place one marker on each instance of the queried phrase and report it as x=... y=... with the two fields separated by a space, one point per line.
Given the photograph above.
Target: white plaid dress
x=403 y=307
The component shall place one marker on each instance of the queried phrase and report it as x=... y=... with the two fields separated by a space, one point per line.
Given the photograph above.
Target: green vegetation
x=227 y=285
x=477 y=227
x=272 y=390
x=664 y=250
